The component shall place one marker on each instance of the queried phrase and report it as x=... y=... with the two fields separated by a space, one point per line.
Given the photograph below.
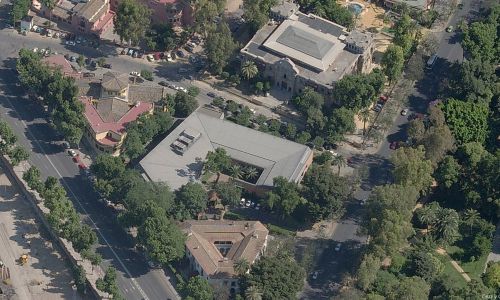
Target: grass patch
x=473 y=268
x=273 y=229
x=233 y=216
x=455 y=279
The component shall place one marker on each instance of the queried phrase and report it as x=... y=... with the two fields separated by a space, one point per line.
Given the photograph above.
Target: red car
x=82 y=166
x=383 y=98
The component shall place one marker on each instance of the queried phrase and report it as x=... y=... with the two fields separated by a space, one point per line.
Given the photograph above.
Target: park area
x=44 y=274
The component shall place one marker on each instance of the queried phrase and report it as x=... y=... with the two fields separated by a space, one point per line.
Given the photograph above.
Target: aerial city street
x=249 y=149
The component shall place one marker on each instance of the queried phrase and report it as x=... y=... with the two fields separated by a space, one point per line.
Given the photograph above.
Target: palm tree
x=427 y=216
x=50 y=4
x=251 y=172
x=235 y=171
x=339 y=161
x=241 y=266
x=364 y=115
x=470 y=217
x=253 y=293
x=249 y=69
x=447 y=225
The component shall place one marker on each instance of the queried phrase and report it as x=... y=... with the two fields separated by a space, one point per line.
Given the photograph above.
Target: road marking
x=143 y=294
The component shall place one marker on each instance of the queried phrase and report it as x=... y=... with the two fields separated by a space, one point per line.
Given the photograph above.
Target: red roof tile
x=99 y=125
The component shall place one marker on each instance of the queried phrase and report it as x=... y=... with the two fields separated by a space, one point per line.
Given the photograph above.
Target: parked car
x=130 y=52
x=180 y=53
x=163 y=83
x=169 y=57
x=72 y=153
x=315 y=275
x=107 y=66
x=183 y=89
x=72 y=59
x=150 y=57
x=337 y=248
x=124 y=51
x=189 y=49
x=449 y=28
x=211 y=94
x=394 y=145
x=135 y=54
x=404 y=112
x=69 y=43
x=135 y=73
x=88 y=75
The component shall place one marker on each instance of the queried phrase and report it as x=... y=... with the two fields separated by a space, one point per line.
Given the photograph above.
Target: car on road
x=337 y=248
x=449 y=28
x=394 y=145
x=72 y=59
x=183 y=89
x=107 y=66
x=130 y=52
x=135 y=73
x=70 y=43
x=404 y=112
x=172 y=86
x=315 y=275
x=150 y=57
x=72 y=153
x=248 y=203
x=211 y=94
x=163 y=83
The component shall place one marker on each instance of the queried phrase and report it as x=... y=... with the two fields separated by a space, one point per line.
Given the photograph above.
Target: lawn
x=455 y=279
x=474 y=269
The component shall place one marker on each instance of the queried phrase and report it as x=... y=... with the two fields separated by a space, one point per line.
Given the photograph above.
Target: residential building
x=178 y=159
x=110 y=104
x=213 y=247
x=86 y=17
x=174 y=12
x=59 y=62
x=283 y=10
x=306 y=50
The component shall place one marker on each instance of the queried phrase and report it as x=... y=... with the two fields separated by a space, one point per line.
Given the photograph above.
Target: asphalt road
x=136 y=280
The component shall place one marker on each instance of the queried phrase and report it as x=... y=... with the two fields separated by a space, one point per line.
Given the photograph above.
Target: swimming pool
x=356 y=8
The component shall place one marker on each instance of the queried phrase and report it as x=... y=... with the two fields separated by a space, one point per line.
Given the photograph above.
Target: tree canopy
x=131 y=21
x=219 y=46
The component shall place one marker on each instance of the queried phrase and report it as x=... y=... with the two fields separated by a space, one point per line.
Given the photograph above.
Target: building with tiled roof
x=60 y=62
x=214 y=246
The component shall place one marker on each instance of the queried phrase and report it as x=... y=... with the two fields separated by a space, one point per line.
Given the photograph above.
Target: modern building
x=306 y=50
x=86 y=16
x=174 y=12
x=213 y=247
x=110 y=104
x=178 y=159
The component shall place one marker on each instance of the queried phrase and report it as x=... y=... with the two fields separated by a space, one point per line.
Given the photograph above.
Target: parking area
x=45 y=275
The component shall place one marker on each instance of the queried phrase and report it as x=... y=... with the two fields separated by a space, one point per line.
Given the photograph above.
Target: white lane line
x=143 y=294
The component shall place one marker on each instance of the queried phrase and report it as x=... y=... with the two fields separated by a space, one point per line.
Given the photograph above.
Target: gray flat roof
x=315 y=45
x=276 y=156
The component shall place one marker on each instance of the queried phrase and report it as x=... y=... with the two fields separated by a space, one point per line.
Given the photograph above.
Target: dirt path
x=46 y=276
x=454 y=264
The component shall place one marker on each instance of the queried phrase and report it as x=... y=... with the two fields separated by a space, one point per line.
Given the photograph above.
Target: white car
x=183 y=89
x=35 y=50
x=335 y=154
x=404 y=112
x=72 y=152
x=315 y=275
x=150 y=57
x=134 y=73
x=337 y=248
x=242 y=201
x=248 y=203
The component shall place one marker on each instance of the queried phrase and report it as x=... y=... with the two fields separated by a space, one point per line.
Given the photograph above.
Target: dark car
x=180 y=53
x=211 y=95
x=163 y=83
x=107 y=66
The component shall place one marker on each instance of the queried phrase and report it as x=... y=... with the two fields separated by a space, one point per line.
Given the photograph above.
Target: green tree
x=219 y=47
x=107 y=167
x=491 y=277
x=481 y=245
x=340 y=122
x=131 y=21
x=241 y=266
x=411 y=288
x=303 y=137
x=249 y=70
x=335 y=12
x=358 y=91
x=481 y=41
x=185 y=104
x=257 y=12
x=50 y=5
x=33 y=178
x=253 y=293
x=285 y=196
x=229 y=193
x=80 y=60
x=426 y=265
x=20 y=9
x=235 y=171
x=393 y=62
x=133 y=146
x=278 y=277
x=163 y=240
x=309 y=99
x=448 y=172
x=18 y=154
x=467 y=120
x=325 y=192
x=364 y=116
x=190 y=200
x=108 y=283
x=198 y=288
x=146 y=74
x=217 y=161
x=339 y=161
x=411 y=168
x=259 y=87
x=250 y=172
x=367 y=271
x=80 y=278
x=206 y=14
x=446 y=227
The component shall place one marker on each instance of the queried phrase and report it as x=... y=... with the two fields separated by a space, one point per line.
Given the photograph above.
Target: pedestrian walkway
x=455 y=265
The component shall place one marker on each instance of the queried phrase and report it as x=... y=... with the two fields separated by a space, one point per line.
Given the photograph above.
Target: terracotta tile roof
x=145 y=93
x=112 y=109
x=114 y=82
x=100 y=124
x=93 y=10
x=59 y=62
x=247 y=240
